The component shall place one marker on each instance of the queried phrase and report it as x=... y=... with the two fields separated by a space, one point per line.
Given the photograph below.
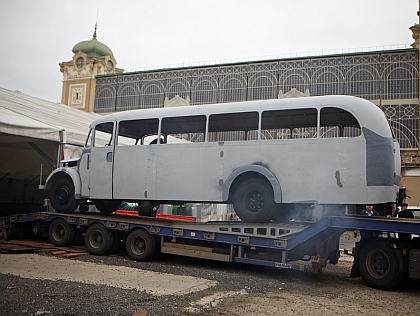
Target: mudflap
x=355 y=270
x=355 y=267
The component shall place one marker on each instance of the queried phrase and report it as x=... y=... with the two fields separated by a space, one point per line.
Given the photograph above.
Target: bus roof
x=368 y=114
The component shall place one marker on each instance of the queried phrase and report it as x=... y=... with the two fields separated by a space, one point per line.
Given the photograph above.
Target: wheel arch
x=65 y=172
x=249 y=171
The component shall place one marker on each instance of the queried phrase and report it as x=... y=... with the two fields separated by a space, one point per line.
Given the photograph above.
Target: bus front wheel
x=62 y=196
x=253 y=201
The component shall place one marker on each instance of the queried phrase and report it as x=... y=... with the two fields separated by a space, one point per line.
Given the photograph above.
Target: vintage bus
x=259 y=156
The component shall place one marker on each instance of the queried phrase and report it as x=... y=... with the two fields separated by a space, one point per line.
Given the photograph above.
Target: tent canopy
x=27 y=116
x=32 y=131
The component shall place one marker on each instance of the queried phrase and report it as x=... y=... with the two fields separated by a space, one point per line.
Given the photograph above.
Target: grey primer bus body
x=258 y=155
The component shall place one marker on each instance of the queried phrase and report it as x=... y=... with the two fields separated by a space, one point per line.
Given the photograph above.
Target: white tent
x=33 y=132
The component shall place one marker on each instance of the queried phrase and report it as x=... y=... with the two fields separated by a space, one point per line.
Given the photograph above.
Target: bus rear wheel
x=253 y=201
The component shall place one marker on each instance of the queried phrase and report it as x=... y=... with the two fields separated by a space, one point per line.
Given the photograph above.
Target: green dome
x=93 y=48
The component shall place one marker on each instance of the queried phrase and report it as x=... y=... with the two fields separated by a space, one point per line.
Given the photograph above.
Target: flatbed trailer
x=384 y=263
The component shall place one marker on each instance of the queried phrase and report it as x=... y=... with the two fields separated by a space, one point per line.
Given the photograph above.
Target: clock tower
x=91 y=58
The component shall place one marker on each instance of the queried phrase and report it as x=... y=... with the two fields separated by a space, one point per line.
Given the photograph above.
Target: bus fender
x=70 y=172
x=256 y=169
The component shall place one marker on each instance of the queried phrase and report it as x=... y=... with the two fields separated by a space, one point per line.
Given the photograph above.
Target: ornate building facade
x=91 y=58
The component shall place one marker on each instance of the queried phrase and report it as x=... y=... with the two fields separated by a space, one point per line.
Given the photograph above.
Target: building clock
x=77 y=95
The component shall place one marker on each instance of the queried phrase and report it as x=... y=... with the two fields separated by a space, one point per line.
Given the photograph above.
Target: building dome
x=93 y=48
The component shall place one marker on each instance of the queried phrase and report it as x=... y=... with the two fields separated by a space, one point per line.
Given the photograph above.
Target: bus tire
x=107 y=207
x=378 y=265
x=253 y=201
x=98 y=239
x=140 y=245
x=61 y=233
x=62 y=196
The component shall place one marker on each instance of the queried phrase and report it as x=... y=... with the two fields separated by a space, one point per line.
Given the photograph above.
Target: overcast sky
x=35 y=36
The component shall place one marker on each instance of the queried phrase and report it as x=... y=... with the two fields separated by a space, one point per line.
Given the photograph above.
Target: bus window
x=135 y=131
x=103 y=135
x=184 y=129
x=338 y=123
x=232 y=126
x=286 y=124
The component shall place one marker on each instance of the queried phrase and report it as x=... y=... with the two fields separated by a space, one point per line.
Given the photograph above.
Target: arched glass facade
x=389 y=79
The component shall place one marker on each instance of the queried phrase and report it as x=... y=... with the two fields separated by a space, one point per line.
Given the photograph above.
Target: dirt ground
x=331 y=293
x=190 y=287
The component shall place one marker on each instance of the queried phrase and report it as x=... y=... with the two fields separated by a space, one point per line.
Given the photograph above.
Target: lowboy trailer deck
x=382 y=262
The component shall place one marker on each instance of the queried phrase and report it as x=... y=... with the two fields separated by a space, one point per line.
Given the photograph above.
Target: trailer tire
x=379 y=265
x=253 y=201
x=140 y=245
x=98 y=239
x=61 y=233
x=62 y=196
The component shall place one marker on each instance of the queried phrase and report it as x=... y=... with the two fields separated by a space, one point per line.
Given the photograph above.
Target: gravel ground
x=240 y=290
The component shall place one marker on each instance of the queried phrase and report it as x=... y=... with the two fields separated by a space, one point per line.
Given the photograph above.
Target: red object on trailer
x=126 y=212
x=182 y=218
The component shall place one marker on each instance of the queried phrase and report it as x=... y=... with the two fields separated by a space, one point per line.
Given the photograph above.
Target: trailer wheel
x=61 y=233
x=140 y=245
x=107 y=207
x=62 y=196
x=98 y=239
x=378 y=265
x=253 y=201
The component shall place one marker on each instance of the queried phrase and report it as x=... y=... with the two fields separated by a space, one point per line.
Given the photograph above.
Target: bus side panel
x=84 y=172
x=182 y=172
x=290 y=161
x=341 y=170
x=100 y=172
x=294 y=166
x=135 y=172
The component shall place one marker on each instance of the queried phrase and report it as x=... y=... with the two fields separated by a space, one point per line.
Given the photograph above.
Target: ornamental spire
x=94 y=33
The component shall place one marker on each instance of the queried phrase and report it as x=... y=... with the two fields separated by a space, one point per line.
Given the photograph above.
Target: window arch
x=294 y=78
x=178 y=86
x=105 y=100
x=262 y=86
x=232 y=88
x=204 y=90
x=363 y=81
x=399 y=81
x=127 y=98
x=152 y=95
x=327 y=81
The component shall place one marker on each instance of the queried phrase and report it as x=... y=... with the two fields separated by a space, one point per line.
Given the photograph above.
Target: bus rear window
x=338 y=123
